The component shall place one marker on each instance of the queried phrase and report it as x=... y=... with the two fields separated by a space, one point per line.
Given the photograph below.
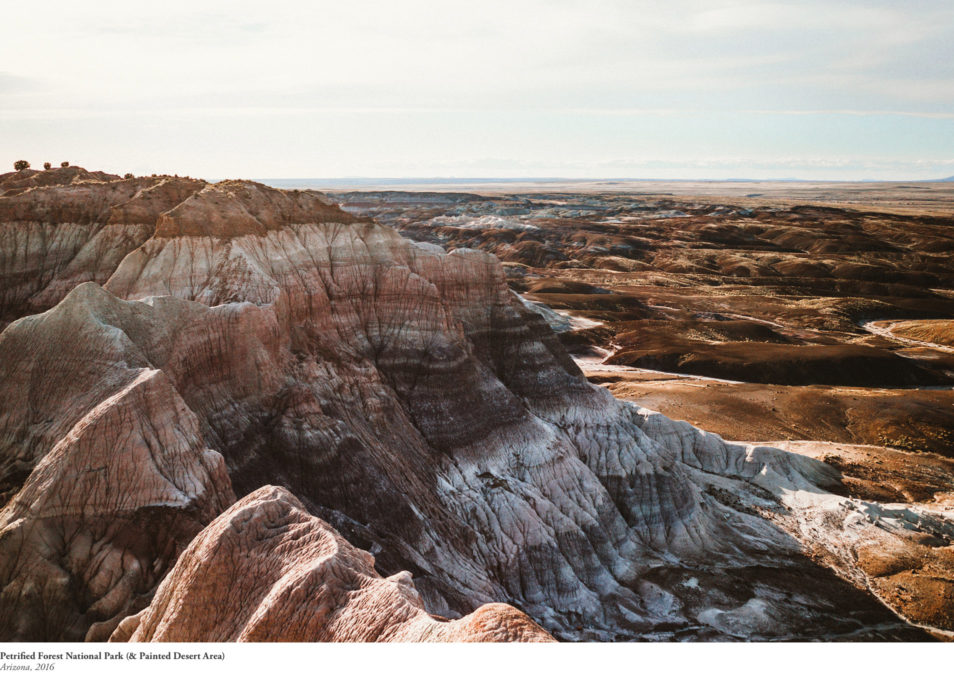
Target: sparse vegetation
x=47 y=165
x=128 y=175
x=21 y=165
x=65 y=164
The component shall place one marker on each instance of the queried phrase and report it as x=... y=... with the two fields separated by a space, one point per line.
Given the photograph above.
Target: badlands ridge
x=237 y=413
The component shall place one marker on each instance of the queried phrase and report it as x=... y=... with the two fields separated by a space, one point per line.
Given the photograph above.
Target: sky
x=713 y=89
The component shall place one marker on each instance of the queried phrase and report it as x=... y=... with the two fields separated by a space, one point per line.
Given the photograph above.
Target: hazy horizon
x=522 y=184
x=846 y=90
x=567 y=178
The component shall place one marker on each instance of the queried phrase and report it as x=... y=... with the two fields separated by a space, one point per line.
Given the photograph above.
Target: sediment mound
x=935 y=331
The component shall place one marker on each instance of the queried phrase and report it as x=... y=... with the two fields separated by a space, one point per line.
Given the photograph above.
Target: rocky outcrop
x=13 y=183
x=55 y=237
x=285 y=576
x=416 y=405
x=108 y=505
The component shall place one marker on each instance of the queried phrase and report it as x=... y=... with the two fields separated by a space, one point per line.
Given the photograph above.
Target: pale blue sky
x=682 y=88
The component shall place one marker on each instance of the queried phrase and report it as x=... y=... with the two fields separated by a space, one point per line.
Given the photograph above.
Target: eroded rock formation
x=58 y=234
x=408 y=399
x=13 y=183
x=284 y=575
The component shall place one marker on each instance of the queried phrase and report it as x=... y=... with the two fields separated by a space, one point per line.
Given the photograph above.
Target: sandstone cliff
x=409 y=400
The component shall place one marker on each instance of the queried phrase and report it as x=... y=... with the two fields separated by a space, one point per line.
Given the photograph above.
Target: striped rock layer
x=436 y=448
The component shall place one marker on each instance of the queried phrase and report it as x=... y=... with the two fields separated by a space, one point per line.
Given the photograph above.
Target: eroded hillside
x=438 y=448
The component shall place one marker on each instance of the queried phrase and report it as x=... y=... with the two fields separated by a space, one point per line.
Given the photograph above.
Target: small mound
x=938 y=332
x=563 y=286
x=759 y=362
x=236 y=208
x=13 y=183
x=601 y=306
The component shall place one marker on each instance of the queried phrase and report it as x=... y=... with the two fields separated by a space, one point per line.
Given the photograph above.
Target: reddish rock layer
x=12 y=183
x=105 y=513
x=53 y=238
x=281 y=575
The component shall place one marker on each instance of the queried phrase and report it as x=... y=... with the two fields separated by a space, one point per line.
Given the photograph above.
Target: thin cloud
x=13 y=84
x=331 y=87
x=850 y=112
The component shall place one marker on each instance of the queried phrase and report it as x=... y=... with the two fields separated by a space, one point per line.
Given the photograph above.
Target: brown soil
x=909 y=420
x=937 y=332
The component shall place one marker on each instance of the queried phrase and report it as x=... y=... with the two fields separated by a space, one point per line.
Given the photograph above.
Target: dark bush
x=128 y=175
x=65 y=164
x=21 y=165
x=47 y=165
